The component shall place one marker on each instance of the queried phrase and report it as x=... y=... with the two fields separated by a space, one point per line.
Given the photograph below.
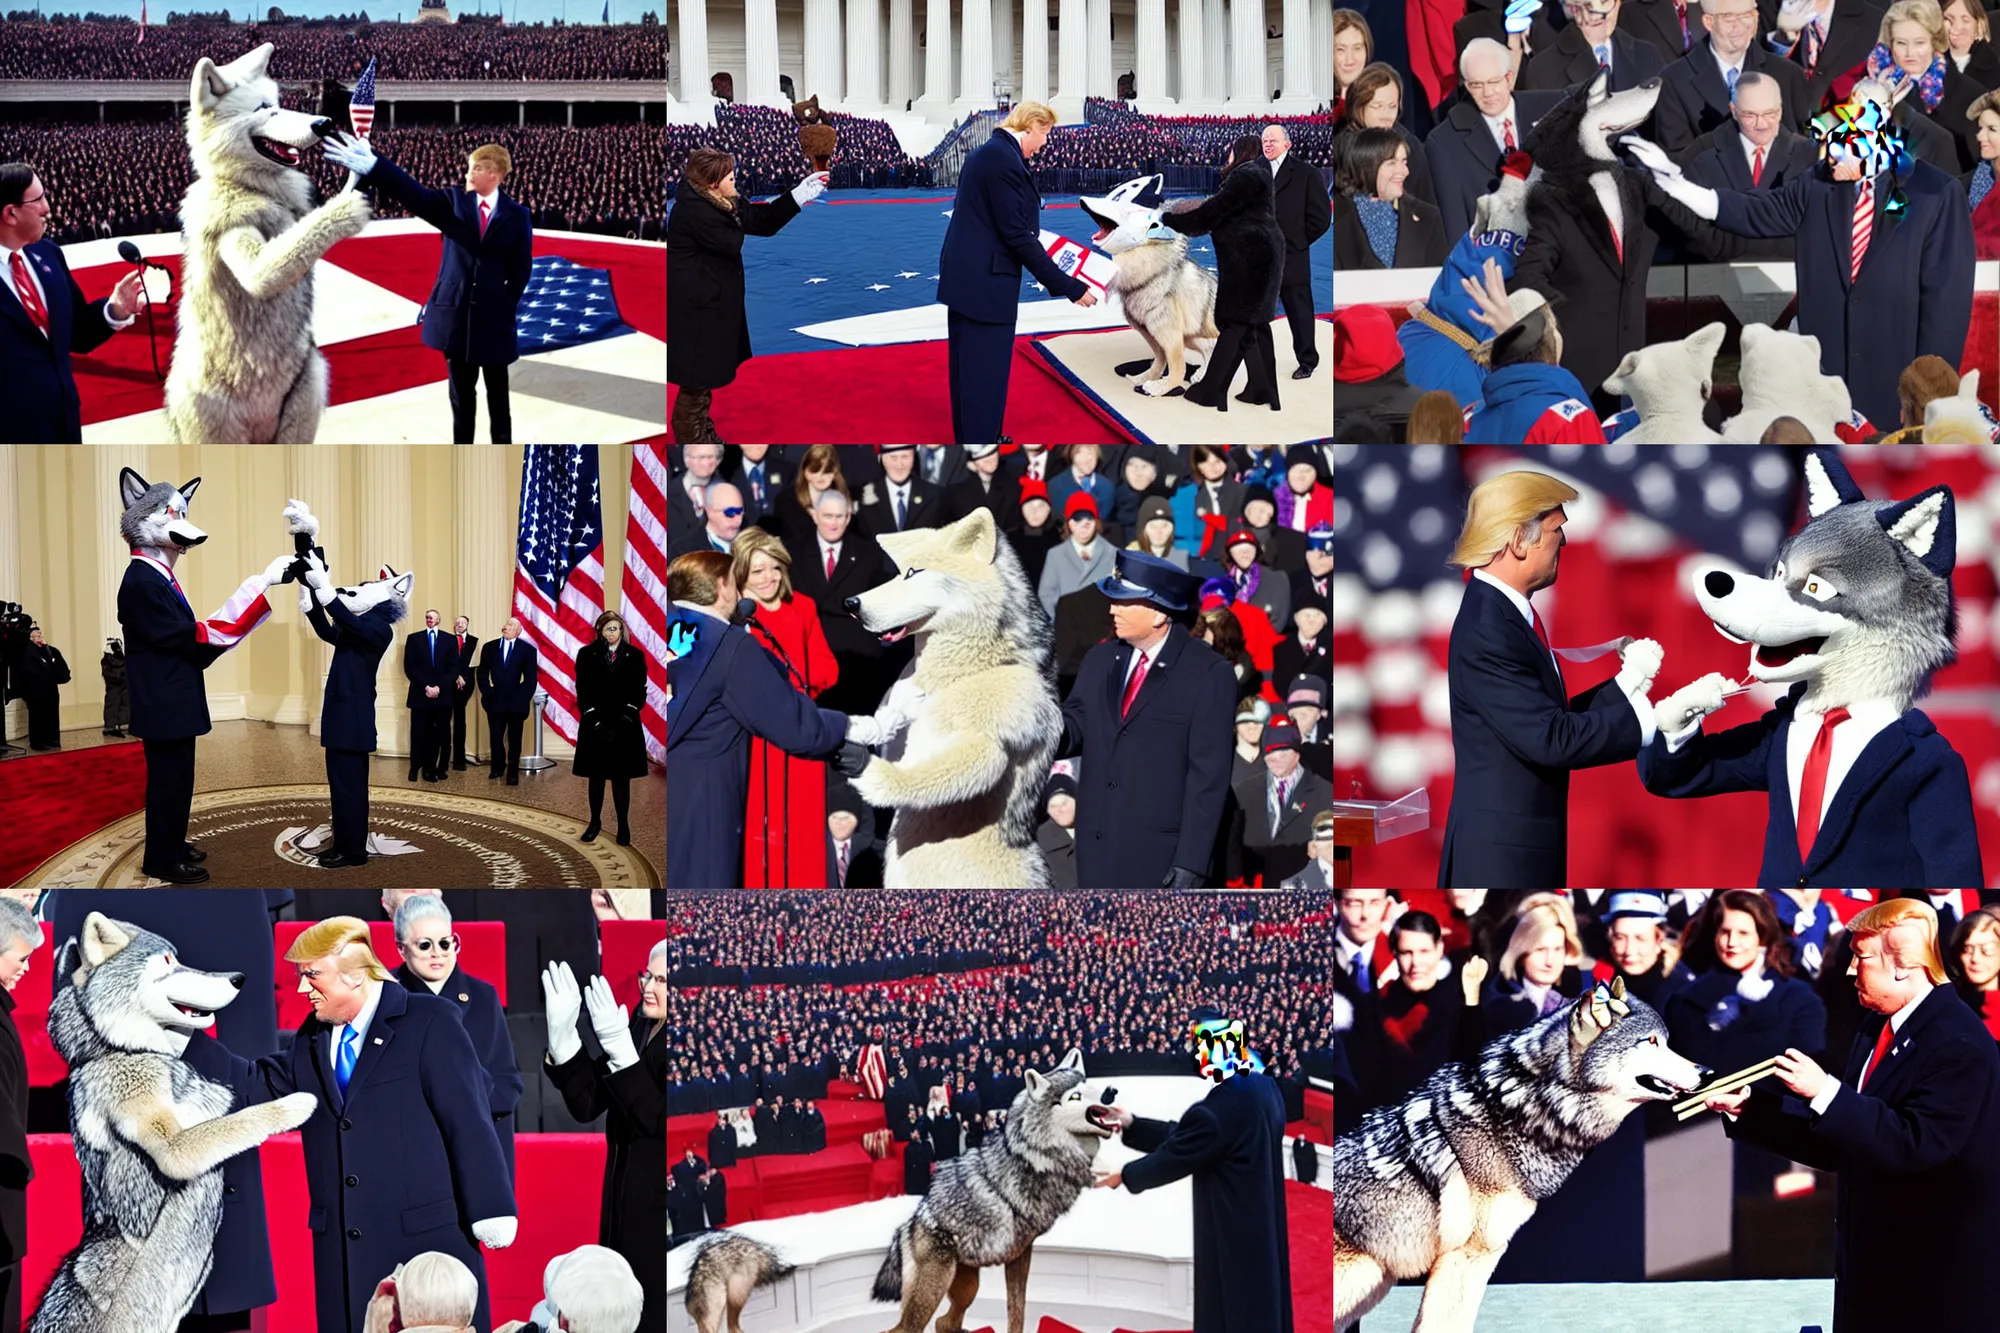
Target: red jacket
x=791 y=853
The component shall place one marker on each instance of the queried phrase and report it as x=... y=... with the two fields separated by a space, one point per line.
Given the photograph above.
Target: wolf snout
x=1718 y=583
x=851 y=605
x=325 y=128
x=235 y=979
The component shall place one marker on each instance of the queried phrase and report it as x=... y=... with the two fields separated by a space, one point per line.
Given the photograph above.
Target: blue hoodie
x=1532 y=403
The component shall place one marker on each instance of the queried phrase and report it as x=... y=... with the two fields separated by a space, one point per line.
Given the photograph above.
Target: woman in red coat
x=784 y=830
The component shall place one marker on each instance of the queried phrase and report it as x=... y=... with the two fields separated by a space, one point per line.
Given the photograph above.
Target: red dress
x=1986 y=226
x=791 y=852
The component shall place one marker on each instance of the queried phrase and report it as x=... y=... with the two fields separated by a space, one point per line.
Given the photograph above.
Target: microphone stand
x=152 y=329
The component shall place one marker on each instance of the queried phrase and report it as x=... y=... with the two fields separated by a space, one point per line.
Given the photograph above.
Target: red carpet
x=1309 y=1212
x=864 y=395
x=52 y=800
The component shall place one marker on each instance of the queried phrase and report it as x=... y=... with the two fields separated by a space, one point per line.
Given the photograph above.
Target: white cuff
x=1645 y=711
x=115 y=323
x=1826 y=1096
x=1677 y=739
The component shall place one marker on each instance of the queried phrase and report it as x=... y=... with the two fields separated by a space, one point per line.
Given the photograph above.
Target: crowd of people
x=764 y=143
x=129 y=180
x=486 y=51
x=1250 y=531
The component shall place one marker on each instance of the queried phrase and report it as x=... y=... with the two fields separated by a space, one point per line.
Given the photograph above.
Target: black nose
x=236 y=979
x=1703 y=1074
x=852 y=606
x=1718 y=583
x=325 y=128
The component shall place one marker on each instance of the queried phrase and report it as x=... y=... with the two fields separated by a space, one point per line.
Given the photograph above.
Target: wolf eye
x=1778 y=572
x=1820 y=590
x=911 y=573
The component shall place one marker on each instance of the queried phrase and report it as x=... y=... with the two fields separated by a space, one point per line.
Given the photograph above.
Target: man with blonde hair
x=995 y=222
x=1516 y=732
x=401 y=1156
x=1913 y=1128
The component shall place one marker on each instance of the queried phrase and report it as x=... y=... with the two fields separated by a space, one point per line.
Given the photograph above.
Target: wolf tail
x=889 y=1279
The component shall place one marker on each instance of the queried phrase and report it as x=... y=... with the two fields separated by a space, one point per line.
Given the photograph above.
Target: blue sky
x=526 y=11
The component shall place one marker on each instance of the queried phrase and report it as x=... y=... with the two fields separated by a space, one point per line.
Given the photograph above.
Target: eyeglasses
x=734 y=511
x=1477 y=86
x=447 y=945
x=1759 y=117
x=651 y=979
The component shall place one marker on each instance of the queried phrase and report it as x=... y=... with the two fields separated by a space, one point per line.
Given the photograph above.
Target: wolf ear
x=67 y=963
x=1035 y=1081
x=406 y=584
x=1074 y=1060
x=188 y=489
x=209 y=85
x=102 y=939
x=1828 y=484
x=975 y=536
x=130 y=486
x=1928 y=526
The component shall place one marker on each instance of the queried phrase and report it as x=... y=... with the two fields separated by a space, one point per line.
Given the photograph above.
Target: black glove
x=850 y=760
x=1178 y=878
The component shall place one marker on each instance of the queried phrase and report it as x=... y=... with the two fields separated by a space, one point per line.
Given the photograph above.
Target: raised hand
x=1641 y=659
x=1471 y=977
x=1491 y=305
x=1793 y=15
x=1691 y=703
x=1652 y=157
x=1521 y=14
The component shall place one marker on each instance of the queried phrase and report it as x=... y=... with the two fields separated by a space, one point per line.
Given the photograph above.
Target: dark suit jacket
x=1655 y=23
x=508 y=689
x=1961 y=90
x=992 y=237
x=412 y=1129
x=16 y=1167
x=347 y=713
x=1003 y=500
x=470 y=313
x=1420 y=238
x=860 y=565
x=1515 y=739
x=467 y=658
x=1694 y=99
x=478 y=1005
x=1850 y=37
x=926 y=508
x=1921 y=1140
x=1718 y=162
x=42 y=404
x=1304 y=214
x=864 y=863
x=423 y=668
x=1571 y=61
x=778 y=477
x=1901 y=818
x=1569 y=251
x=164 y=655
x=1465 y=161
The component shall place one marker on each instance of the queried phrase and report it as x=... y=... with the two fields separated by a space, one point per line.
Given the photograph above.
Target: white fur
x=1821 y=494
x=1668 y=384
x=1962 y=419
x=1780 y=376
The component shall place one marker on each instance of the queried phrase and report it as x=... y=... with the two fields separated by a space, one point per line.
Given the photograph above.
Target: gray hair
x=820 y=501
x=434 y=1288
x=419 y=907
x=1483 y=46
x=594 y=1290
x=1750 y=78
x=17 y=922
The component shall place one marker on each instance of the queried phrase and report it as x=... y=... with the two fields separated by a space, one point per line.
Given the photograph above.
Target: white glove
x=496 y=1233
x=1652 y=157
x=1521 y=15
x=561 y=1003
x=809 y=189
x=612 y=1022
x=1793 y=15
x=299 y=519
x=347 y=151
x=1697 y=199
x=274 y=573
x=1688 y=705
x=1641 y=658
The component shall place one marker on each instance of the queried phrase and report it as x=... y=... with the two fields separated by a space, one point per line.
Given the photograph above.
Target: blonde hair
x=1534 y=922
x=750 y=543
x=1503 y=506
x=494 y=156
x=1926 y=15
x=1026 y=115
x=343 y=939
x=435 y=1288
x=1883 y=919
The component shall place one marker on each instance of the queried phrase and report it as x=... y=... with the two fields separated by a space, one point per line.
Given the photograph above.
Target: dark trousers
x=430 y=741
x=978 y=360
x=621 y=800
x=347 y=785
x=458 y=728
x=169 y=793
x=235 y=1322
x=10 y=1299
x=1240 y=344
x=44 y=717
x=1297 y=298
x=464 y=405
x=505 y=730
x=503 y=1125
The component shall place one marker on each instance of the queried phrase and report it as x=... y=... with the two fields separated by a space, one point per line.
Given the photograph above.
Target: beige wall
x=448 y=512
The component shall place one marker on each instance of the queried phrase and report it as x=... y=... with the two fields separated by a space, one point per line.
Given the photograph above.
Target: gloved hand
x=274 y=573
x=612 y=1022
x=496 y=1233
x=299 y=519
x=562 y=1002
x=347 y=151
x=809 y=189
x=1521 y=15
x=1793 y=15
x=851 y=760
x=315 y=585
x=1641 y=659
x=1652 y=157
x=1691 y=703
x=1181 y=878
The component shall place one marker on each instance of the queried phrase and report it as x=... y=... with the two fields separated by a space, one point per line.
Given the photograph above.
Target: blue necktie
x=1729 y=77
x=1604 y=54
x=343 y=1065
x=902 y=514
x=434 y=647
x=757 y=485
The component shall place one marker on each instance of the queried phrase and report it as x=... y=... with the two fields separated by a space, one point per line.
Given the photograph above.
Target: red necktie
x=1812 y=787
x=485 y=216
x=1617 y=241
x=1881 y=1045
x=1864 y=224
x=1132 y=689
x=1543 y=635
x=1681 y=12
x=1757 y=168
x=829 y=564
x=1507 y=127
x=31 y=299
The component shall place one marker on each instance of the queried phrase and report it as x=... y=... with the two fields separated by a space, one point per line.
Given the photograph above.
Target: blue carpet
x=865 y=239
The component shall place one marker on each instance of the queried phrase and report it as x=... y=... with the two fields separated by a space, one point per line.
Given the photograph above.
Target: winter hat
x=1319 y=537
x=1243 y=536
x=1079 y=500
x=1033 y=488
x=1253 y=709
x=1652 y=906
x=1155 y=506
x=881 y=449
x=1216 y=594
x=977 y=451
x=1364 y=344
x=1058 y=784
x=1259 y=492
x=1521 y=339
x=1323 y=826
x=1300 y=453
x=1280 y=733
x=1308 y=690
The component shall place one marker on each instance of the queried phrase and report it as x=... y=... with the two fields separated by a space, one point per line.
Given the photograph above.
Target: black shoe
x=493 y=775
x=194 y=855
x=624 y=836
x=413 y=775
x=1128 y=369
x=513 y=779
x=459 y=766
x=1255 y=400
x=341 y=860
x=590 y=834
x=1304 y=372
x=181 y=872
x=109 y=732
x=434 y=777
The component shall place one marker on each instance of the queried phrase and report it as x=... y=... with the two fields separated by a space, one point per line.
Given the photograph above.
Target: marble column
x=1034 y=50
x=1295 y=88
x=1003 y=46
x=1215 y=51
x=13 y=717
x=483 y=590
x=313 y=472
x=1190 y=51
x=1071 y=45
x=936 y=102
x=902 y=49
x=693 y=51
x=388 y=537
x=975 y=52
x=1099 y=81
x=760 y=54
x=822 y=53
x=1249 y=91
x=1150 y=62
x=864 y=55
x=1322 y=50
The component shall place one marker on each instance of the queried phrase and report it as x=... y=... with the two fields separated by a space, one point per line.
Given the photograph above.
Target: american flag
x=564 y=305
x=142 y=22
x=361 y=106
x=872 y=1072
x=643 y=586
x=559 y=570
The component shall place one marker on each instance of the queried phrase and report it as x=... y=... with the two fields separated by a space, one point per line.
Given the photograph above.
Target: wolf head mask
x=156 y=514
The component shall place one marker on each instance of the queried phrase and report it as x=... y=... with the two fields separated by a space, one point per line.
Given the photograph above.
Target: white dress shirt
x=1850 y=738
x=1750 y=151
x=41 y=288
x=826 y=550
x=359 y=1024
x=1643 y=710
x=1148 y=655
x=1896 y=1021
x=1724 y=66
x=1497 y=124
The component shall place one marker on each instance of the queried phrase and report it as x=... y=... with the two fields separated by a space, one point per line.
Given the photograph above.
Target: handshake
x=893 y=718
x=1639 y=662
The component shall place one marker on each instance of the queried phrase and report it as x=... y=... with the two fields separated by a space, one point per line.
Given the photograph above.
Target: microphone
x=745 y=609
x=129 y=253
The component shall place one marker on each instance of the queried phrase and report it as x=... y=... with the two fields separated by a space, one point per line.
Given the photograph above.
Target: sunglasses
x=734 y=511
x=447 y=945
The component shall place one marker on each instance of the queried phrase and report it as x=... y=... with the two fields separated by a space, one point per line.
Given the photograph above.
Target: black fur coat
x=1249 y=249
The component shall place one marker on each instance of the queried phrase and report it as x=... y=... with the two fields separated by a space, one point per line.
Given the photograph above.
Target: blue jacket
x=1914 y=293
x=424 y=667
x=1712 y=1025
x=508 y=689
x=470 y=313
x=42 y=404
x=347 y=713
x=992 y=237
x=406 y=1162
x=727 y=689
x=1064 y=484
x=1902 y=817
x=1514 y=740
x=1513 y=399
x=163 y=658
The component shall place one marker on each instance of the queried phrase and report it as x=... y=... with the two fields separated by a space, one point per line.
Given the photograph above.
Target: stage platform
x=1656 y=1307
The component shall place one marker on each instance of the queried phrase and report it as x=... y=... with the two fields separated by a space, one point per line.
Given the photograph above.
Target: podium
x=1369 y=823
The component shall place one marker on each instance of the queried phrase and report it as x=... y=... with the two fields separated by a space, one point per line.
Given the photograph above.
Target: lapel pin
x=463 y=998
x=378 y=1041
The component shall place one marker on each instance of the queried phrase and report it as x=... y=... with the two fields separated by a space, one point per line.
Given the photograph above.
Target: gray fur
x=156 y=515
x=150 y=1134
x=1167 y=298
x=725 y=1271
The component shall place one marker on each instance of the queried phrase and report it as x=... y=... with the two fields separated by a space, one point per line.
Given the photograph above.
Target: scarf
x=1288 y=501
x=1246 y=581
x=1930 y=84
x=1982 y=184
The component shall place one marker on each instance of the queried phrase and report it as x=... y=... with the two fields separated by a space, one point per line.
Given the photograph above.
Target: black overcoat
x=1249 y=248
x=611 y=695
x=708 y=335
